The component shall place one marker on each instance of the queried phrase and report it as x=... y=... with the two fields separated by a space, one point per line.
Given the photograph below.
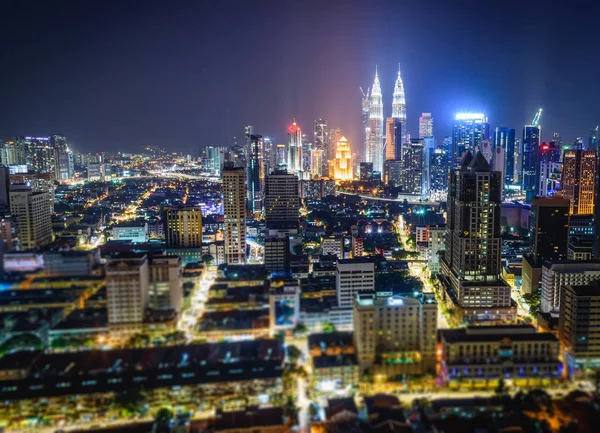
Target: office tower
x=280 y=157
x=395 y=335
x=234 y=212
x=399 y=106
x=437 y=236
x=322 y=148
x=277 y=254
x=127 y=283
x=282 y=202
x=12 y=153
x=39 y=153
x=438 y=170
x=549 y=228
x=4 y=191
x=558 y=274
x=182 y=226
x=579 y=178
x=582 y=235
x=550 y=177
x=531 y=160
x=353 y=276
x=577 y=325
x=425 y=125
x=340 y=168
x=471 y=262
x=294 y=150
x=505 y=138
x=393 y=173
x=33 y=214
x=316 y=162
x=365 y=171
x=166 y=283
x=374 y=152
x=393 y=139
x=518 y=175
x=269 y=157
x=413 y=168
x=365 y=111
x=215 y=157
x=63 y=158
x=469 y=130
x=593 y=139
x=534 y=357
x=307 y=147
x=255 y=175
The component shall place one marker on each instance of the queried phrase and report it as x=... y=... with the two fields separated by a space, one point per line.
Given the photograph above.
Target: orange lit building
x=340 y=168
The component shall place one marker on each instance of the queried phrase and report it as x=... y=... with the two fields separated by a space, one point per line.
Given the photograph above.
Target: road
x=189 y=318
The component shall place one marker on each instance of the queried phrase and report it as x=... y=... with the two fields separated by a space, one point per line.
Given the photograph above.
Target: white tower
x=375 y=147
x=399 y=104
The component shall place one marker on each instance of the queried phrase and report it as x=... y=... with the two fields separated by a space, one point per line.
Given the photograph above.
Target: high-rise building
x=558 y=274
x=531 y=160
x=365 y=111
x=413 y=168
x=425 y=125
x=33 y=214
x=393 y=139
x=505 y=138
x=4 y=191
x=63 y=158
x=282 y=201
x=127 y=284
x=579 y=179
x=234 y=212
x=294 y=150
x=471 y=263
x=340 y=168
x=321 y=144
x=498 y=161
x=438 y=170
x=353 y=276
x=582 y=235
x=12 y=153
x=469 y=130
x=182 y=226
x=374 y=151
x=255 y=174
x=365 y=171
x=399 y=106
x=577 y=325
x=277 y=253
x=165 y=290
x=39 y=182
x=437 y=235
x=593 y=139
x=549 y=228
x=395 y=335
x=39 y=153
x=333 y=245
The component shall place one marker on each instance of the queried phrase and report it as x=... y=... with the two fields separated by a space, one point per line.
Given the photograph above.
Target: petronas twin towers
x=374 y=151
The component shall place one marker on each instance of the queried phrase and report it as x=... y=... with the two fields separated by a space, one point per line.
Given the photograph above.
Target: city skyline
x=156 y=88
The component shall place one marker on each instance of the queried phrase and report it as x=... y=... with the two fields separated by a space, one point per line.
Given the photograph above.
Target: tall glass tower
x=375 y=146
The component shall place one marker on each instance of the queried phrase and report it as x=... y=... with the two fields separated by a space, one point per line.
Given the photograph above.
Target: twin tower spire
x=376 y=130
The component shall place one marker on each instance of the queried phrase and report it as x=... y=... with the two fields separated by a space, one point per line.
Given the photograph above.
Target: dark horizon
x=118 y=76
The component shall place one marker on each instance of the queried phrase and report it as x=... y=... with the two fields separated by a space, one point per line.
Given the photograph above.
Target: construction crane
x=536 y=118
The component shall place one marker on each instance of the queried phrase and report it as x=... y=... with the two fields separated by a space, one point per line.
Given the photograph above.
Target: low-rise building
x=334 y=364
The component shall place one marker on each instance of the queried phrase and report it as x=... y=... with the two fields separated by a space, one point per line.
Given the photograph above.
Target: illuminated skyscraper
x=294 y=152
x=469 y=130
x=531 y=161
x=399 y=105
x=321 y=143
x=63 y=158
x=255 y=173
x=39 y=153
x=579 y=177
x=282 y=202
x=316 y=162
x=374 y=152
x=425 y=125
x=505 y=138
x=340 y=168
x=365 y=108
x=234 y=212
x=393 y=139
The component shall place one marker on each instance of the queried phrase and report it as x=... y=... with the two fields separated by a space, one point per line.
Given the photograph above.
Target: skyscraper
x=531 y=161
x=365 y=109
x=549 y=228
x=505 y=138
x=340 y=168
x=282 y=202
x=579 y=179
x=374 y=152
x=127 y=284
x=294 y=151
x=63 y=158
x=4 y=191
x=469 y=130
x=425 y=125
x=321 y=143
x=39 y=153
x=399 y=105
x=255 y=174
x=413 y=167
x=593 y=139
x=393 y=139
x=438 y=171
x=234 y=212
x=471 y=262
x=182 y=226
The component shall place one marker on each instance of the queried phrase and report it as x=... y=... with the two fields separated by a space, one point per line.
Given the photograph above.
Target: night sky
x=118 y=75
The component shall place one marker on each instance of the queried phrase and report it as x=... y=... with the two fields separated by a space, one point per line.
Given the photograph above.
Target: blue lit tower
x=531 y=157
x=505 y=138
x=374 y=152
x=469 y=130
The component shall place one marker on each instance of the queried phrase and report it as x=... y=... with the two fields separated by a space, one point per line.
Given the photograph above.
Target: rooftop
x=473 y=334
